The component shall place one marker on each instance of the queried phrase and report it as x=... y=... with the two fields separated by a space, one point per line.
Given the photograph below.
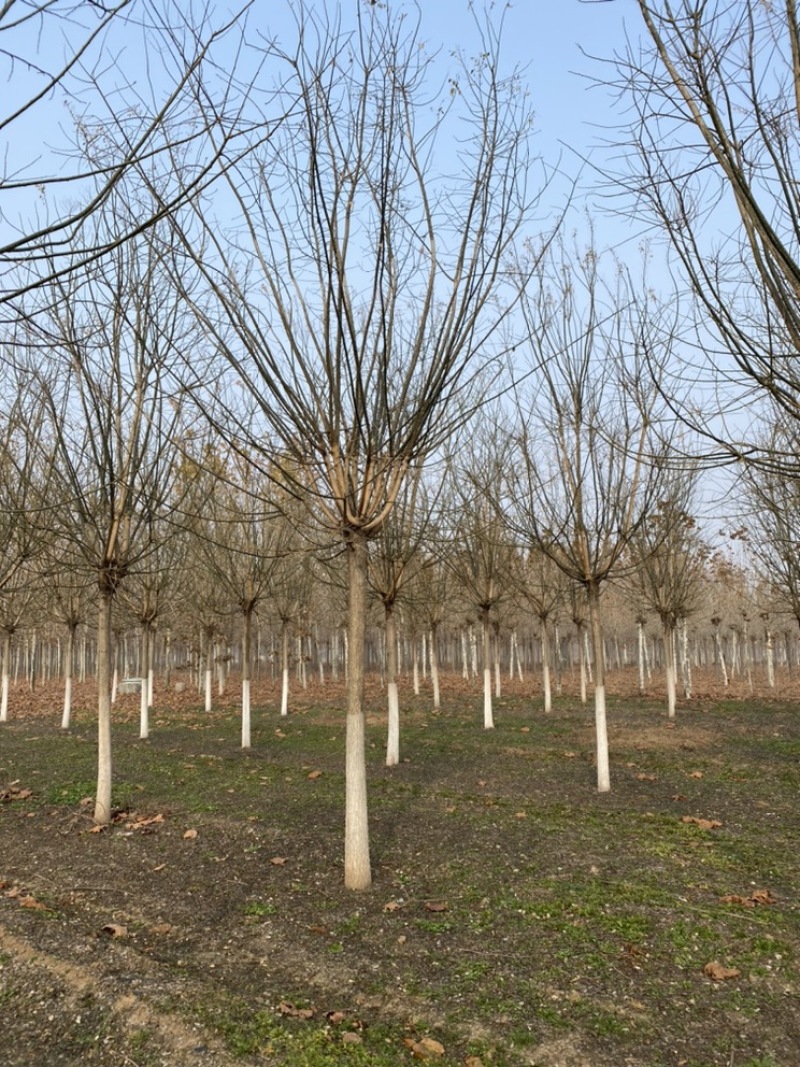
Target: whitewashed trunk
x=144 y=695
x=546 y=688
x=102 y=807
x=488 y=718
x=601 y=725
x=357 y=867
x=393 y=699
x=435 y=670
x=5 y=678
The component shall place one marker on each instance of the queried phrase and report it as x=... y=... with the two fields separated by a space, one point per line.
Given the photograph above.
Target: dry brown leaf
x=143 y=822
x=734 y=898
x=161 y=929
x=97 y=829
x=278 y=861
x=351 y=1038
x=32 y=902
x=314 y=775
x=335 y=1017
x=190 y=835
x=678 y=796
x=433 y=905
x=115 y=930
x=392 y=905
x=521 y=815
x=704 y=824
x=427 y=1048
x=758 y=896
x=718 y=973
x=763 y=896
x=642 y=777
x=695 y=774
x=15 y=793
x=473 y=1061
x=285 y=1008
x=14 y=891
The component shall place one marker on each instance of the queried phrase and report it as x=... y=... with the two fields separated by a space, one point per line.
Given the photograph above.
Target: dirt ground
x=516 y=917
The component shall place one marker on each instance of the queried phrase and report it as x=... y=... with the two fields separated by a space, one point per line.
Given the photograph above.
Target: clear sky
x=547 y=37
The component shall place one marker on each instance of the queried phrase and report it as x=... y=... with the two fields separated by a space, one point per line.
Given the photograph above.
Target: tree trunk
x=670 y=670
x=144 y=696
x=488 y=719
x=102 y=808
x=357 y=870
x=285 y=666
x=601 y=727
x=247 y=630
x=435 y=668
x=6 y=672
x=769 y=656
x=209 y=673
x=393 y=739
x=546 y=688
x=66 y=715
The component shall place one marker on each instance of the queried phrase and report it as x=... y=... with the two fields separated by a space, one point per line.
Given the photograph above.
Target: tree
x=483 y=557
x=365 y=288
x=670 y=564
x=590 y=461
x=391 y=567
x=103 y=344
x=713 y=158
x=543 y=587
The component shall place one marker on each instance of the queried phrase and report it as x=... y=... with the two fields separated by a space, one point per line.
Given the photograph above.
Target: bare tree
x=392 y=566
x=365 y=287
x=590 y=461
x=107 y=336
x=670 y=559
x=713 y=158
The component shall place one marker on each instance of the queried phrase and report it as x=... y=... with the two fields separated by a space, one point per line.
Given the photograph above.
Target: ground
x=517 y=917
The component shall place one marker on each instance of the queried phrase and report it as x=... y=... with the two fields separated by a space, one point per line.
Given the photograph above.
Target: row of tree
x=327 y=252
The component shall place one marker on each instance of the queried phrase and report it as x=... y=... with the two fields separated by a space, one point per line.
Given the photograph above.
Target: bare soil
x=517 y=917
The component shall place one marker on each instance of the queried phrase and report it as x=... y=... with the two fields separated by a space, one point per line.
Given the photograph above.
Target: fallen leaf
x=15 y=793
x=335 y=1017
x=190 y=835
x=285 y=1008
x=704 y=824
x=161 y=929
x=718 y=973
x=473 y=1061
x=426 y=1049
x=351 y=1038
x=571 y=755
x=32 y=902
x=278 y=861
x=115 y=930
x=524 y=729
x=143 y=823
x=14 y=891
x=734 y=898
x=763 y=896
x=642 y=777
x=314 y=775
x=392 y=905
x=315 y=929
x=678 y=796
x=433 y=905
x=160 y=867
x=758 y=896
x=695 y=774
x=97 y=829
x=521 y=815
